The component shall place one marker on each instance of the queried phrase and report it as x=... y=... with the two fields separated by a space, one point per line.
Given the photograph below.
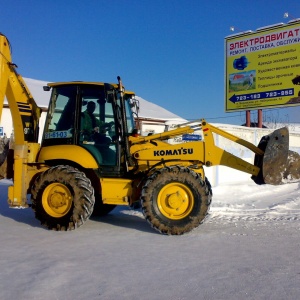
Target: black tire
x=175 y=200
x=62 y=198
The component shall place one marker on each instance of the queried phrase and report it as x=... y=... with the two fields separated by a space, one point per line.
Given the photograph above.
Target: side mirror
x=46 y=88
x=136 y=104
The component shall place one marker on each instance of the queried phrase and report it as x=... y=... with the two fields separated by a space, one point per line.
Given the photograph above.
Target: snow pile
x=248 y=248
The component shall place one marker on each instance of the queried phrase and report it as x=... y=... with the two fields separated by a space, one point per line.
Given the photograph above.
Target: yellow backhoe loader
x=89 y=162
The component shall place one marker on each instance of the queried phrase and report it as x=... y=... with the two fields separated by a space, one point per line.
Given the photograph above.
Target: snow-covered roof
x=151 y=110
x=36 y=88
x=148 y=110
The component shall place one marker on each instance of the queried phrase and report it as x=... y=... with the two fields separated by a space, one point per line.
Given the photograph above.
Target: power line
x=241 y=114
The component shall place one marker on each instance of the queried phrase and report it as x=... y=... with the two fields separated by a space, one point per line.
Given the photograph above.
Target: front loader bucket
x=278 y=165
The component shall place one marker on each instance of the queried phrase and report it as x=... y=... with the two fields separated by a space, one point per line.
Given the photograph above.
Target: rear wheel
x=175 y=200
x=62 y=198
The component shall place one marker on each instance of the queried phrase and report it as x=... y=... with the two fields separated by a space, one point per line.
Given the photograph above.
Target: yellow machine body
x=65 y=179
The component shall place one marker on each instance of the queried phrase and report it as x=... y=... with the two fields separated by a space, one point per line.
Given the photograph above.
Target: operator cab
x=89 y=115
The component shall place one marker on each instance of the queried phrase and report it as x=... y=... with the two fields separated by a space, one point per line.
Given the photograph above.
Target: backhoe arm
x=24 y=110
x=25 y=116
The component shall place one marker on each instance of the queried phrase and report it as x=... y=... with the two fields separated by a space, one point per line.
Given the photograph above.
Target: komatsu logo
x=180 y=151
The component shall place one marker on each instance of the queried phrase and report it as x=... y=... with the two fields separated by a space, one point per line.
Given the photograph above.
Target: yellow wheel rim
x=175 y=201
x=57 y=200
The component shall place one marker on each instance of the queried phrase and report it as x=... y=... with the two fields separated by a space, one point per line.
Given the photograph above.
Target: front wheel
x=175 y=200
x=62 y=198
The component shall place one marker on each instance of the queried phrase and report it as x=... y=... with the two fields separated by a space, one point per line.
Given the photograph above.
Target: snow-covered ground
x=248 y=248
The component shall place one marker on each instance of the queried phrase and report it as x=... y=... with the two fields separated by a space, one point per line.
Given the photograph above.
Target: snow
x=149 y=109
x=36 y=88
x=248 y=248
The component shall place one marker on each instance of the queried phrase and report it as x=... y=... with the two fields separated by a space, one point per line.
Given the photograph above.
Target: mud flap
x=274 y=165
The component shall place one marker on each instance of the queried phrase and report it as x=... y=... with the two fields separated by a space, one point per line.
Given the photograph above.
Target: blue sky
x=170 y=52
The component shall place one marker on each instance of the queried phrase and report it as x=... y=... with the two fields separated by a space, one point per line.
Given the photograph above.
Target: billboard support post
x=259 y=118
x=248 y=118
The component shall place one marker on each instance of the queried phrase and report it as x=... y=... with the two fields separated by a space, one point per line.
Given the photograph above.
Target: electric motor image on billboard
x=263 y=68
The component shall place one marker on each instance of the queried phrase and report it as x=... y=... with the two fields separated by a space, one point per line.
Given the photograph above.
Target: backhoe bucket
x=278 y=165
x=4 y=149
